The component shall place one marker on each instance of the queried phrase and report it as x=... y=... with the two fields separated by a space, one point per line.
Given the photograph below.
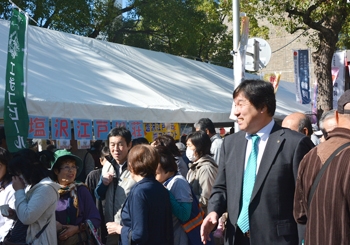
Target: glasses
x=67 y=168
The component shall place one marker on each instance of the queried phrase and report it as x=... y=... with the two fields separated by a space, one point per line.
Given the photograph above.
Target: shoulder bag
x=323 y=169
x=18 y=233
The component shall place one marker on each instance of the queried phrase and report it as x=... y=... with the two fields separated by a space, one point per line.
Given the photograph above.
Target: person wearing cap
x=327 y=216
x=75 y=204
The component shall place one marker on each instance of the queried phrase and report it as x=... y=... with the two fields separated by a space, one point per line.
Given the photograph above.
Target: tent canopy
x=77 y=77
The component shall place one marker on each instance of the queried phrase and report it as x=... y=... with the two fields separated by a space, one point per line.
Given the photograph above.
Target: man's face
x=248 y=117
x=119 y=148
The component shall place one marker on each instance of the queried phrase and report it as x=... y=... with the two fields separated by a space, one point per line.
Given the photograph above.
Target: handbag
x=18 y=233
x=87 y=236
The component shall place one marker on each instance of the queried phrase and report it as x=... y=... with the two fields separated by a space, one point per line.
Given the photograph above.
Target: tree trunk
x=322 y=59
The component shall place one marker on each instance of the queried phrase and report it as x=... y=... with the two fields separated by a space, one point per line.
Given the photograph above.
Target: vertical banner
x=16 y=120
x=338 y=75
x=302 y=76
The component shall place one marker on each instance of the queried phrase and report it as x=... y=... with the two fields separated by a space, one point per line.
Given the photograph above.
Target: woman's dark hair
x=138 y=141
x=202 y=143
x=104 y=152
x=5 y=157
x=169 y=142
x=46 y=157
x=259 y=93
x=143 y=160
x=166 y=159
x=27 y=162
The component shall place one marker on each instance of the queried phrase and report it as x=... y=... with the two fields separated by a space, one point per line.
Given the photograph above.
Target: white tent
x=77 y=77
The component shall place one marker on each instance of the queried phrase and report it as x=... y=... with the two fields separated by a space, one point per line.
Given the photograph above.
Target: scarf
x=73 y=190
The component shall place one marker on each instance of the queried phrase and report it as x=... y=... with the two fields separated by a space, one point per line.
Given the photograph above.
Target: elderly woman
x=75 y=204
x=146 y=214
x=36 y=199
x=203 y=170
x=7 y=193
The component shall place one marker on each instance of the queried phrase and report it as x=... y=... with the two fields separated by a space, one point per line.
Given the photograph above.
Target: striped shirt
x=328 y=218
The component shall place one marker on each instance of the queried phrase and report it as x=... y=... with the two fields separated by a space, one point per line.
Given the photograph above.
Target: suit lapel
x=272 y=147
x=241 y=146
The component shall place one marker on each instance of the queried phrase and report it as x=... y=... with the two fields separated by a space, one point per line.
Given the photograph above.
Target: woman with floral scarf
x=75 y=204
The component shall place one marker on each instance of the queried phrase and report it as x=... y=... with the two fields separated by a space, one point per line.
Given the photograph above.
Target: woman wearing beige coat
x=203 y=169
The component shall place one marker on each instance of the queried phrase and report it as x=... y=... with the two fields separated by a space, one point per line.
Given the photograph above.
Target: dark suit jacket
x=271 y=206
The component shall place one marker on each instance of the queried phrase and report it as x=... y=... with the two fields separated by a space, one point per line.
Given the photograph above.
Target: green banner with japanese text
x=16 y=120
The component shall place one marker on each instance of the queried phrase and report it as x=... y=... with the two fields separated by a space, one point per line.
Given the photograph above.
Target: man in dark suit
x=263 y=212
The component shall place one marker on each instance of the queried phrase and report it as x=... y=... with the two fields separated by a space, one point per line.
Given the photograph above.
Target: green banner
x=16 y=120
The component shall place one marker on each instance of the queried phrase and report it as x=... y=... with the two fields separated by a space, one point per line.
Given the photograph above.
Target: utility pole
x=236 y=37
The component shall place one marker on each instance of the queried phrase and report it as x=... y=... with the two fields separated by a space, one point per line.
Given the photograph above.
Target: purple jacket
x=66 y=213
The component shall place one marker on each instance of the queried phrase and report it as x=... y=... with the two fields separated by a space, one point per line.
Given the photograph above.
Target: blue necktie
x=248 y=184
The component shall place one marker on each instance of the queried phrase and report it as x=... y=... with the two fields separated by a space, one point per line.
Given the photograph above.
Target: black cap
x=343 y=100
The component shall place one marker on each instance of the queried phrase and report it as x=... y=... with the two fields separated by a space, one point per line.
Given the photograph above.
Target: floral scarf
x=73 y=190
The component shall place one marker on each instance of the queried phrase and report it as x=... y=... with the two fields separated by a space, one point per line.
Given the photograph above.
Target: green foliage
x=62 y=15
x=191 y=28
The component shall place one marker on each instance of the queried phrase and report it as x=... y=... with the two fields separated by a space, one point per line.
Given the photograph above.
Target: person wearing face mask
x=203 y=169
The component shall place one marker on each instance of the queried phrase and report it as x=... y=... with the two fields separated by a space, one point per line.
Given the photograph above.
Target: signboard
x=154 y=130
x=302 y=76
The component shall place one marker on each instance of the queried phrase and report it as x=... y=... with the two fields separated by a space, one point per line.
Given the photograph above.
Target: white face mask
x=190 y=155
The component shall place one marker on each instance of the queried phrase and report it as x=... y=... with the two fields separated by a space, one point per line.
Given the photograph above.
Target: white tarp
x=72 y=76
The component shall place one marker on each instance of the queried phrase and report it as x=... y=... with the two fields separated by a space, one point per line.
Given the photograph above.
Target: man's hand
x=208 y=225
x=107 y=178
x=113 y=228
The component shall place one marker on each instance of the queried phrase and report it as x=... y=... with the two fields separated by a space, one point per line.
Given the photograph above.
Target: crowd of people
x=256 y=186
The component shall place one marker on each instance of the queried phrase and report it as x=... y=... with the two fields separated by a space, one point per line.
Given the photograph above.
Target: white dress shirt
x=264 y=134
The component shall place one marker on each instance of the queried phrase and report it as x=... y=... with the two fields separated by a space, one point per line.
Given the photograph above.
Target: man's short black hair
x=259 y=93
x=305 y=122
x=205 y=123
x=120 y=131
